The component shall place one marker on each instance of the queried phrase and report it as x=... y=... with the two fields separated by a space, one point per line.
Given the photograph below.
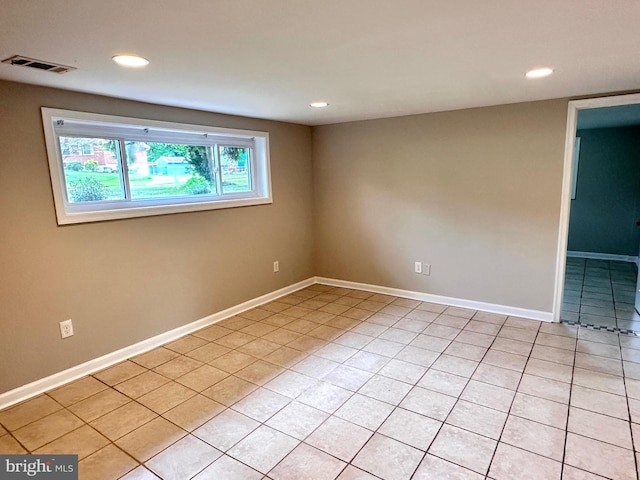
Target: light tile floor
x=334 y=383
x=600 y=293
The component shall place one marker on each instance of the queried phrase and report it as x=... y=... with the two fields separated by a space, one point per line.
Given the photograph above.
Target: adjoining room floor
x=600 y=293
x=334 y=383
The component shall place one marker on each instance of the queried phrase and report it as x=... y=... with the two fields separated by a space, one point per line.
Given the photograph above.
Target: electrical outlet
x=66 y=329
x=417 y=267
x=426 y=269
x=276 y=266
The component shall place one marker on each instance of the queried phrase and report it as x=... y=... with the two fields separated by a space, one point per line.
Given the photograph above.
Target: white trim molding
x=451 y=301
x=603 y=256
x=57 y=379
x=95 y=365
x=565 y=203
x=92 y=127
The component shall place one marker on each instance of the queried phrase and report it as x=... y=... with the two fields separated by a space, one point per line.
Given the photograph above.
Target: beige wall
x=127 y=280
x=475 y=193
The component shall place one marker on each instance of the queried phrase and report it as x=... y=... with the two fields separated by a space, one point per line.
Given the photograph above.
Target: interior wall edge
x=42 y=385
x=573 y=108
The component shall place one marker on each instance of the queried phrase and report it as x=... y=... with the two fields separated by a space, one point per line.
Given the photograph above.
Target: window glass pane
x=235 y=169
x=158 y=170
x=106 y=167
x=92 y=169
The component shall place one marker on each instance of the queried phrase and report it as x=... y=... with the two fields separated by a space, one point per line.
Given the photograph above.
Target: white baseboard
x=604 y=256
x=53 y=381
x=454 y=302
x=57 y=379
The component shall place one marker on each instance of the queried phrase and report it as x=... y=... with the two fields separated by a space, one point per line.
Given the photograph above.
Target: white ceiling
x=367 y=58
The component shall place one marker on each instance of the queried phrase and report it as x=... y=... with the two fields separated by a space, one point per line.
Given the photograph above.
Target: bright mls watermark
x=45 y=467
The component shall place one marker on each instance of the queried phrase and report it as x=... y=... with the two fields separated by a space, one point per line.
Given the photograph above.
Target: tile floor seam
x=459 y=397
x=17 y=440
x=587 y=275
x=392 y=404
x=449 y=461
x=425 y=452
x=442 y=423
x=566 y=426
x=377 y=429
x=113 y=442
x=311 y=433
x=599 y=413
x=599 y=440
x=510 y=407
x=329 y=453
x=127 y=454
x=633 y=440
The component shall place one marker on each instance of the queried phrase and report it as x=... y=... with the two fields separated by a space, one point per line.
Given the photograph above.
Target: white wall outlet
x=66 y=329
x=426 y=269
x=417 y=267
x=276 y=266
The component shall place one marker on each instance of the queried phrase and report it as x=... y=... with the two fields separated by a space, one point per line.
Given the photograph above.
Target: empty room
x=319 y=240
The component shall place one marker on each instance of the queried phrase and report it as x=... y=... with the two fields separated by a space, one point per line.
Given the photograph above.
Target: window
x=105 y=167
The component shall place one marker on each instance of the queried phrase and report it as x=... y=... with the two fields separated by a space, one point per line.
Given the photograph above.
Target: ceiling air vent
x=39 y=64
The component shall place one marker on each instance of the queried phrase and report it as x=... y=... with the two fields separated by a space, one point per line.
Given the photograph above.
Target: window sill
x=71 y=217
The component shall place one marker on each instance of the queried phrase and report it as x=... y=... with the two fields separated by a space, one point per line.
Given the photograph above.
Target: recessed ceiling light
x=131 y=61
x=539 y=72
x=318 y=104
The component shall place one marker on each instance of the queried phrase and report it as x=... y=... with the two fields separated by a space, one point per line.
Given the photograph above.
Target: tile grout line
x=353 y=392
x=511 y=405
x=468 y=381
x=612 y=292
x=349 y=463
x=566 y=427
x=633 y=440
x=442 y=424
x=330 y=414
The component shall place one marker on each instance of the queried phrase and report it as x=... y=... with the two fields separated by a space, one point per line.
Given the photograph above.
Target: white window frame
x=59 y=122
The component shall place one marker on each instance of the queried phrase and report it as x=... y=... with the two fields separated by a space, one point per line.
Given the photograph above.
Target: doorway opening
x=594 y=286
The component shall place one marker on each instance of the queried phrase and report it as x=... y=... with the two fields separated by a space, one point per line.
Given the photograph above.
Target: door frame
x=575 y=106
